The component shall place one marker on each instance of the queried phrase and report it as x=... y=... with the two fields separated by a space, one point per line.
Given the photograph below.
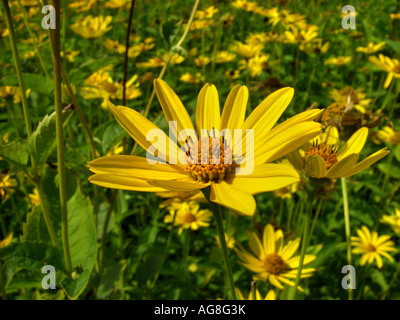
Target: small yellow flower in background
x=391 y=66
x=388 y=135
x=7 y=240
x=189 y=78
x=372 y=247
x=371 y=48
x=230 y=241
x=115 y=4
x=323 y=159
x=34 y=197
x=339 y=61
x=208 y=13
x=296 y=35
x=250 y=6
x=159 y=62
x=351 y=98
x=7 y=185
x=224 y=57
x=273 y=261
x=201 y=61
x=91 y=27
x=270 y=295
x=174 y=199
x=255 y=65
x=247 y=50
x=395 y=16
x=393 y=220
x=189 y=215
x=232 y=74
x=70 y=54
x=83 y=6
x=114 y=45
x=316 y=46
x=338 y=114
x=11 y=91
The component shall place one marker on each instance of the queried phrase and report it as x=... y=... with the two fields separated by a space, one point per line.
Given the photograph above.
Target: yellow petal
x=315 y=166
x=354 y=144
x=207 y=110
x=269 y=239
x=138 y=127
x=172 y=106
x=234 y=110
x=343 y=167
x=368 y=161
x=123 y=183
x=265 y=177
x=179 y=184
x=125 y=165
x=255 y=245
x=233 y=198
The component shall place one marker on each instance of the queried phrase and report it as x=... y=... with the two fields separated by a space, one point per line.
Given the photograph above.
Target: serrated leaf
x=111 y=279
x=15 y=152
x=43 y=140
x=31 y=228
x=82 y=243
x=33 y=255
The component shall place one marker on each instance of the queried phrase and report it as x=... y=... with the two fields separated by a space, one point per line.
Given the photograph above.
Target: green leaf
x=31 y=228
x=393 y=171
x=33 y=255
x=82 y=244
x=15 y=152
x=32 y=81
x=43 y=140
x=111 y=279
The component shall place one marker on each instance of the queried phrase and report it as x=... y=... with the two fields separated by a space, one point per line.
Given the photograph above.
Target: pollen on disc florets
x=325 y=151
x=210 y=159
x=273 y=263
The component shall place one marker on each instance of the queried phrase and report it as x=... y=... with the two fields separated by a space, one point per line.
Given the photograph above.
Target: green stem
x=60 y=138
x=217 y=212
x=2 y=284
x=13 y=116
x=347 y=228
x=304 y=242
x=254 y=290
x=104 y=235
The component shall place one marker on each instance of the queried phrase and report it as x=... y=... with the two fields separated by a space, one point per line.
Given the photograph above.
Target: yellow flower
x=175 y=198
x=270 y=295
x=371 y=48
x=245 y=5
x=7 y=240
x=388 y=135
x=232 y=74
x=297 y=35
x=395 y=16
x=247 y=50
x=201 y=61
x=231 y=180
x=273 y=261
x=208 y=13
x=159 y=62
x=189 y=215
x=115 y=4
x=70 y=54
x=230 y=241
x=34 y=197
x=91 y=27
x=7 y=184
x=324 y=159
x=351 y=97
x=114 y=46
x=83 y=6
x=372 y=247
x=316 y=46
x=391 y=66
x=11 y=91
x=224 y=57
x=393 y=220
x=339 y=61
x=189 y=78
x=255 y=65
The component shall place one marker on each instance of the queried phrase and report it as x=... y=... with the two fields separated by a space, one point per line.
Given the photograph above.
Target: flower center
x=189 y=218
x=370 y=247
x=273 y=263
x=209 y=159
x=325 y=152
x=396 y=68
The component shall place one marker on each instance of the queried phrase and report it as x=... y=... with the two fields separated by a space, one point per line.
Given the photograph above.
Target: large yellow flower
x=91 y=27
x=372 y=247
x=324 y=159
x=391 y=66
x=271 y=260
x=230 y=182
